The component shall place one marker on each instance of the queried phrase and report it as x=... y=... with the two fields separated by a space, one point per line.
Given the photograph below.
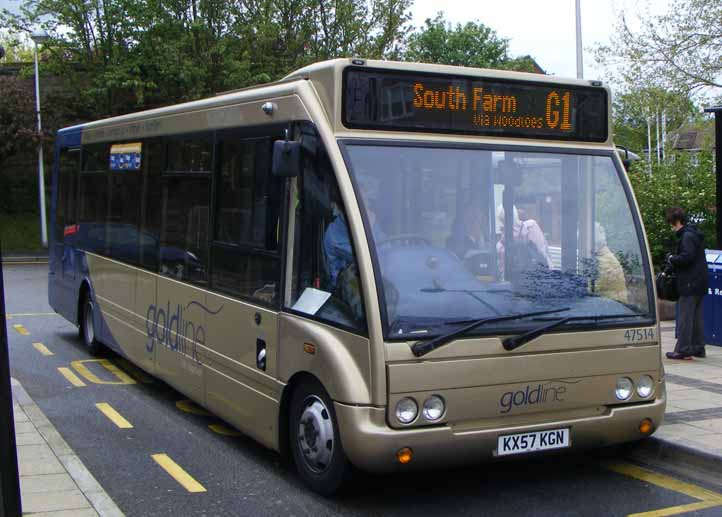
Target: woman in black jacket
x=691 y=266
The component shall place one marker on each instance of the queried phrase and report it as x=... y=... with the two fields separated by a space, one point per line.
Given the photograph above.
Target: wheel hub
x=315 y=434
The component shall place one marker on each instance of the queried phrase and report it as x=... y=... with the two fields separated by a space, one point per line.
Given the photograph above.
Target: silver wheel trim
x=88 y=327
x=315 y=436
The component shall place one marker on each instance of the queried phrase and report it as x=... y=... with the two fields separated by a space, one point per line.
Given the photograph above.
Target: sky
x=543 y=29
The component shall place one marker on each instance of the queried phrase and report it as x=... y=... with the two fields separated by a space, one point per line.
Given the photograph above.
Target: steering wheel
x=406 y=239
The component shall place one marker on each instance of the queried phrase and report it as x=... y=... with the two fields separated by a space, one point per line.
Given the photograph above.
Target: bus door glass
x=65 y=229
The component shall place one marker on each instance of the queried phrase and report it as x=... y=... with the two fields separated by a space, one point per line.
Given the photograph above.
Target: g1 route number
x=639 y=335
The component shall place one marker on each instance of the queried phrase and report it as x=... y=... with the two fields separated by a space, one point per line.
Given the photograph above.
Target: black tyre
x=315 y=441
x=87 y=326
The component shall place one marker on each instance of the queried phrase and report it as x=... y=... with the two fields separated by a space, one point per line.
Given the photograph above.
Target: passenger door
x=241 y=366
x=63 y=297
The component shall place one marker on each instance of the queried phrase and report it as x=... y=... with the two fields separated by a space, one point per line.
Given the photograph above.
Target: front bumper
x=371 y=444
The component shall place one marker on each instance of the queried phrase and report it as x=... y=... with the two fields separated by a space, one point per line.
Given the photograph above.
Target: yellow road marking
x=676 y=510
x=123 y=378
x=42 y=349
x=71 y=377
x=223 y=430
x=21 y=330
x=113 y=415
x=189 y=407
x=708 y=499
x=177 y=473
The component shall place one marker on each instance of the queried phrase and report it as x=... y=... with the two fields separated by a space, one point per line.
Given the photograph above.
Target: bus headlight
x=645 y=386
x=624 y=389
x=433 y=408
x=406 y=410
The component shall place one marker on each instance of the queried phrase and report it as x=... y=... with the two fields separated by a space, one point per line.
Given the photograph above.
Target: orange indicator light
x=645 y=426
x=309 y=348
x=404 y=455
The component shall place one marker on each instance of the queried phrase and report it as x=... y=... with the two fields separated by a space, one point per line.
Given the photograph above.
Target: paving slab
x=53 y=480
x=693 y=424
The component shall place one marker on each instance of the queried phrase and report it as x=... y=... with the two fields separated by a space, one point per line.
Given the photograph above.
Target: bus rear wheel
x=87 y=326
x=315 y=442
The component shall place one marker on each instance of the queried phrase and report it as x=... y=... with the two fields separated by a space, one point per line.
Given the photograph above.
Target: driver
x=337 y=245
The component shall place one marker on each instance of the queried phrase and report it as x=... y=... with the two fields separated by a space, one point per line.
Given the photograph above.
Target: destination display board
x=403 y=101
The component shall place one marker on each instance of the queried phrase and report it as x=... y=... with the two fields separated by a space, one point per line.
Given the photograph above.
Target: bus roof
x=326 y=80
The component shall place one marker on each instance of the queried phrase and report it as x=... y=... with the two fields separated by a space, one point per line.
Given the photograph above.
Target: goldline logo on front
x=531 y=395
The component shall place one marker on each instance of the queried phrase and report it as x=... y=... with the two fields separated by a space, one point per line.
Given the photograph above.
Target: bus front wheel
x=315 y=441
x=87 y=326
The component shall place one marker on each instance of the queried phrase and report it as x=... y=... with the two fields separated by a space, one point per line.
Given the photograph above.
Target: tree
x=16 y=49
x=473 y=44
x=688 y=182
x=124 y=55
x=681 y=50
x=636 y=110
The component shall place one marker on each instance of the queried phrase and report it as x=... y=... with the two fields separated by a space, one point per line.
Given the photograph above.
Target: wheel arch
x=283 y=413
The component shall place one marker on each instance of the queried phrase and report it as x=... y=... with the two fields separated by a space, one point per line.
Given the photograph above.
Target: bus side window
x=326 y=281
x=245 y=249
x=94 y=198
x=151 y=204
x=65 y=211
x=122 y=232
x=186 y=209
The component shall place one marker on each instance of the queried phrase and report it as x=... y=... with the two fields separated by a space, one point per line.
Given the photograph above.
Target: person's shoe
x=700 y=354
x=681 y=357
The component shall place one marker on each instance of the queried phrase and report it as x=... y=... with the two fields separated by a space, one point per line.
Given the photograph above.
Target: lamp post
x=578 y=18
x=39 y=37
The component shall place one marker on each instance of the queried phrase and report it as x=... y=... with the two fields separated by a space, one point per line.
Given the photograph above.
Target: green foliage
x=124 y=55
x=635 y=106
x=17 y=49
x=473 y=44
x=679 y=50
x=682 y=183
x=20 y=232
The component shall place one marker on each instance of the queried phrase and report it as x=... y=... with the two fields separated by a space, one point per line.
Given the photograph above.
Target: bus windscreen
x=402 y=101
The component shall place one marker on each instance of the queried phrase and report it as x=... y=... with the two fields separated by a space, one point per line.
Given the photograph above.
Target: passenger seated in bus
x=531 y=250
x=610 y=281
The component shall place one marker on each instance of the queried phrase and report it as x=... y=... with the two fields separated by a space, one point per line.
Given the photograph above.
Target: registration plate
x=530 y=442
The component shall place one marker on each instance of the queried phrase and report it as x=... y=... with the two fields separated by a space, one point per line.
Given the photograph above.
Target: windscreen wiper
x=424 y=347
x=512 y=343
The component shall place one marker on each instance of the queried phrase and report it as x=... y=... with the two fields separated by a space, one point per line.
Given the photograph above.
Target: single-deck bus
x=374 y=264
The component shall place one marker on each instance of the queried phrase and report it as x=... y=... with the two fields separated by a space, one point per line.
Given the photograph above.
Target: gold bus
x=383 y=265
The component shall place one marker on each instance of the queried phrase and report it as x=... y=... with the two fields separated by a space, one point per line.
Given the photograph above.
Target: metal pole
x=580 y=65
x=718 y=169
x=649 y=145
x=659 y=158
x=41 y=171
x=10 y=503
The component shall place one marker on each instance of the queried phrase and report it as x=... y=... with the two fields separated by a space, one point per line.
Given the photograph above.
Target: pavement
x=693 y=420
x=53 y=480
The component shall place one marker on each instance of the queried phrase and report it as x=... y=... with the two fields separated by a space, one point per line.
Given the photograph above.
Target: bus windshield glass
x=461 y=234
